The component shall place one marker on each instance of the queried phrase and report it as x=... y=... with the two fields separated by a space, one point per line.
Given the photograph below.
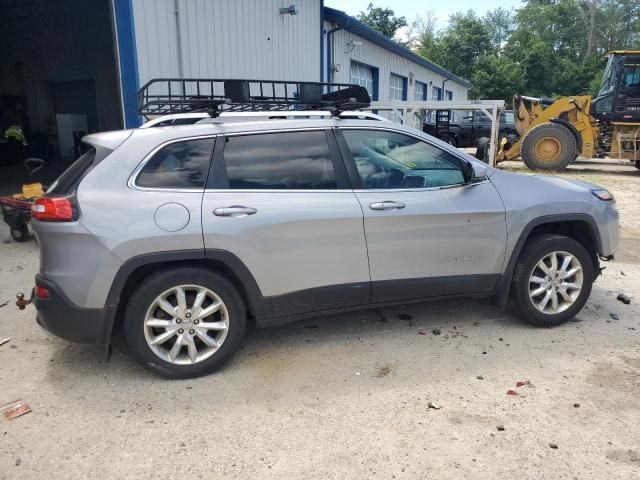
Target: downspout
x=321 y=41
x=176 y=12
x=443 y=90
x=330 y=53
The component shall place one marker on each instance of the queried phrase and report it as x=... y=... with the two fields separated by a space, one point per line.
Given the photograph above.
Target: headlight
x=603 y=194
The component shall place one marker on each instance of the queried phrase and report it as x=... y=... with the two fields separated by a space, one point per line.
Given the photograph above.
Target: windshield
x=609 y=80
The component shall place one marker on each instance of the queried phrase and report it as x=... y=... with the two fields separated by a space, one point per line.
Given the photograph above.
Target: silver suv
x=183 y=233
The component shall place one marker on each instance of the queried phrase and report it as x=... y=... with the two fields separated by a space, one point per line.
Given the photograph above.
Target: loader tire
x=548 y=146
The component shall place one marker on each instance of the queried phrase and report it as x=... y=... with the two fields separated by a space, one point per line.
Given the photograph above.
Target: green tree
x=383 y=20
x=496 y=78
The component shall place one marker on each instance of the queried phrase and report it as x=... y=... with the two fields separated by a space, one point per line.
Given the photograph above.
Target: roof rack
x=168 y=96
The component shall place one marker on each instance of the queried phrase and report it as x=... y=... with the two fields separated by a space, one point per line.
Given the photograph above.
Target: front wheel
x=552 y=280
x=184 y=322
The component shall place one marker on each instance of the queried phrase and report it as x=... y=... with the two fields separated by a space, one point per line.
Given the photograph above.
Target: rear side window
x=180 y=165
x=68 y=182
x=288 y=160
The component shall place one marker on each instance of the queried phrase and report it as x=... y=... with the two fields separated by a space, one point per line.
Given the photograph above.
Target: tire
x=20 y=233
x=453 y=141
x=210 y=358
x=637 y=164
x=548 y=146
x=534 y=251
x=482 y=149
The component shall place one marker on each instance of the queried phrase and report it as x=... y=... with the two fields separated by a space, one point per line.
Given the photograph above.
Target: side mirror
x=479 y=172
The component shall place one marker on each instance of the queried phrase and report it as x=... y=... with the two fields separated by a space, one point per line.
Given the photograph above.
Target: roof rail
x=203 y=117
x=168 y=96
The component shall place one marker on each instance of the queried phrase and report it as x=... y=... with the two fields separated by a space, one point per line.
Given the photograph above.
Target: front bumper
x=58 y=315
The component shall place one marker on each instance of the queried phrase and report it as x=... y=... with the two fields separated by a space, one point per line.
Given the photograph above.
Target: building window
x=365 y=76
x=436 y=93
x=397 y=87
x=420 y=92
x=448 y=95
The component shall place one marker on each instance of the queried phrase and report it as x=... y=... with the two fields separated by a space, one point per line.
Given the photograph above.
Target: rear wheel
x=184 y=322
x=20 y=233
x=637 y=164
x=552 y=280
x=548 y=146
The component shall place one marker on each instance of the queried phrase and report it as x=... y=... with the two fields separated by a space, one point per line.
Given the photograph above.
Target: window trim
x=343 y=184
x=132 y=181
x=375 y=74
x=354 y=176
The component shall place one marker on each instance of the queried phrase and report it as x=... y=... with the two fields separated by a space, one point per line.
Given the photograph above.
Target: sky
x=411 y=8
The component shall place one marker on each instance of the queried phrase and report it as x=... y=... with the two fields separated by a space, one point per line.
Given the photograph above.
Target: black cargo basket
x=166 y=96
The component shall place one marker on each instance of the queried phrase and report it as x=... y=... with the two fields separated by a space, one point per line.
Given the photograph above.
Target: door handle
x=387 y=205
x=234 y=211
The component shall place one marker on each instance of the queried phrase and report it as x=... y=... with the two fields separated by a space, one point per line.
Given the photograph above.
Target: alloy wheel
x=555 y=282
x=186 y=324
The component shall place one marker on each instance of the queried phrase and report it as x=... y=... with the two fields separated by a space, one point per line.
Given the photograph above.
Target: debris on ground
x=433 y=406
x=4 y=304
x=480 y=377
x=357 y=373
x=576 y=405
x=383 y=371
x=621 y=297
x=500 y=428
x=522 y=383
x=457 y=333
x=18 y=462
x=405 y=316
x=436 y=331
x=575 y=320
x=614 y=316
x=553 y=445
x=4 y=340
x=311 y=326
x=14 y=409
x=622 y=273
x=512 y=392
x=422 y=332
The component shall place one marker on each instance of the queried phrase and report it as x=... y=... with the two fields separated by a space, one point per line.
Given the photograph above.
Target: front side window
x=279 y=161
x=180 y=165
x=387 y=160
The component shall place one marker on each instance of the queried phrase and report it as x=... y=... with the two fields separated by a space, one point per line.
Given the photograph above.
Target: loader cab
x=618 y=98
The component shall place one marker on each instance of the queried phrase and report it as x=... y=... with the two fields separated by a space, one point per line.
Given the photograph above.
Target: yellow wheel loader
x=553 y=133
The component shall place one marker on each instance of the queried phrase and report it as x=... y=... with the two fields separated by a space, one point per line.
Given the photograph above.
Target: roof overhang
x=364 y=31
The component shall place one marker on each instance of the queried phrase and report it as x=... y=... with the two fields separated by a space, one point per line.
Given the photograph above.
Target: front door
x=429 y=231
x=280 y=202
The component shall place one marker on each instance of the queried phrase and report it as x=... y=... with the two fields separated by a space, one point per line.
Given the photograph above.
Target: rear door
x=429 y=231
x=281 y=203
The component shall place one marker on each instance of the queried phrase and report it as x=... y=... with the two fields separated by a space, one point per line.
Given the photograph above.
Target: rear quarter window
x=179 y=165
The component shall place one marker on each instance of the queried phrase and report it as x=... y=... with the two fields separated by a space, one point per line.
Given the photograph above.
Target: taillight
x=42 y=292
x=53 y=209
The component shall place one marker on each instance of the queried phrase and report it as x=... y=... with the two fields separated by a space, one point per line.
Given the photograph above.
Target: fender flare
x=501 y=295
x=256 y=302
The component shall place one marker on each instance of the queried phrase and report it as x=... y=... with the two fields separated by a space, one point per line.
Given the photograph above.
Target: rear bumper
x=58 y=315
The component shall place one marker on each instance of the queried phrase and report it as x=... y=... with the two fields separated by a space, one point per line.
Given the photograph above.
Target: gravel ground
x=345 y=396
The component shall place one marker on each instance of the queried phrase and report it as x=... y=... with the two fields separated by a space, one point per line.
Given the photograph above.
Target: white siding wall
x=387 y=63
x=227 y=38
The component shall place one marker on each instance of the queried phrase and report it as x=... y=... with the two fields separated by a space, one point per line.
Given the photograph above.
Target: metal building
x=76 y=65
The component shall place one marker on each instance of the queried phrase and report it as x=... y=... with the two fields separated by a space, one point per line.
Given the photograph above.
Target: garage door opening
x=58 y=79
